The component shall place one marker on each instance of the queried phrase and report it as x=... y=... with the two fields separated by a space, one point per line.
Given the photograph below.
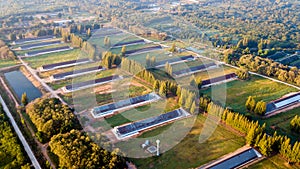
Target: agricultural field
x=281 y=123
x=38 y=61
x=260 y=88
x=105 y=94
x=273 y=162
x=49 y=73
x=8 y=62
x=141 y=112
x=189 y=153
x=22 y=53
x=58 y=84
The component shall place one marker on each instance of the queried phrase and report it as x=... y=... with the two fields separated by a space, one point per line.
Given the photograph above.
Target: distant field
x=8 y=62
x=159 y=56
x=72 y=68
x=38 y=61
x=282 y=123
x=189 y=153
x=262 y=89
x=108 y=97
x=62 y=83
x=142 y=112
x=131 y=47
x=273 y=162
x=22 y=53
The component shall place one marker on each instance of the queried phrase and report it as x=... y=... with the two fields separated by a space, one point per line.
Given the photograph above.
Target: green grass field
x=143 y=112
x=189 y=153
x=131 y=47
x=238 y=91
x=38 y=61
x=8 y=62
x=273 y=162
x=282 y=123
x=58 y=84
x=105 y=96
x=72 y=68
x=22 y=52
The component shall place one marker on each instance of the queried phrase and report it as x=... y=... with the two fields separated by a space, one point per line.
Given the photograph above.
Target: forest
x=51 y=117
x=11 y=151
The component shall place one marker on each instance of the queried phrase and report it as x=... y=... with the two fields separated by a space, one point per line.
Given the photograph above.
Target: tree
x=153 y=61
x=173 y=48
x=51 y=117
x=88 y=32
x=243 y=74
x=156 y=85
x=148 y=61
x=260 y=108
x=24 y=99
x=163 y=89
x=76 y=148
x=193 y=108
x=12 y=36
x=168 y=68
x=107 y=42
x=250 y=103
x=295 y=124
x=123 y=51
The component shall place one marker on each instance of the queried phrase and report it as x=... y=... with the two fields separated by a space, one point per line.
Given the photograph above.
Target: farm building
x=75 y=73
x=219 y=80
x=64 y=64
x=195 y=69
x=27 y=40
x=47 y=51
x=175 y=60
x=283 y=103
x=90 y=83
x=38 y=45
x=235 y=161
x=134 y=128
x=110 y=109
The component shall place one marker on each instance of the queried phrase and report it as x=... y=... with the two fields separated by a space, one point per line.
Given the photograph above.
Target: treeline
x=270 y=68
x=109 y=59
x=76 y=148
x=11 y=153
x=295 y=124
x=255 y=134
x=5 y=52
x=56 y=31
x=259 y=107
x=51 y=117
x=243 y=74
x=162 y=87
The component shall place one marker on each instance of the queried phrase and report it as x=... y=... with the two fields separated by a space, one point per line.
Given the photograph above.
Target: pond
x=20 y=84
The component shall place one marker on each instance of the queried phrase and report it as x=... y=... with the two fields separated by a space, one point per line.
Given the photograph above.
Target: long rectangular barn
x=195 y=69
x=64 y=64
x=219 y=80
x=282 y=103
x=236 y=161
x=112 y=108
x=134 y=128
x=28 y=40
x=47 y=51
x=38 y=45
x=134 y=42
x=90 y=83
x=143 y=50
x=175 y=60
x=75 y=73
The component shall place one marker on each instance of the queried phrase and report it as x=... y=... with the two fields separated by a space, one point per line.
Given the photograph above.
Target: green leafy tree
x=250 y=103
x=24 y=99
